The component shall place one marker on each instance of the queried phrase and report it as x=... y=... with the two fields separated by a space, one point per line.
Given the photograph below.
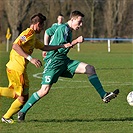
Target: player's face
x=77 y=23
x=60 y=19
x=39 y=27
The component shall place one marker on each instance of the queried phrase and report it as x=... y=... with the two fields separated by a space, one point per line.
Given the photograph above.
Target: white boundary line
x=80 y=87
x=61 y=79
x=37 y=75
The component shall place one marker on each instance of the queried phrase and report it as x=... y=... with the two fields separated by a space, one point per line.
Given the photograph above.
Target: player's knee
x=90 y=70
x=23 y=99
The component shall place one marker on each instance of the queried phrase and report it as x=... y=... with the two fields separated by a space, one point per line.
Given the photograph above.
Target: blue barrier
x=111 y=39
x=106 y=39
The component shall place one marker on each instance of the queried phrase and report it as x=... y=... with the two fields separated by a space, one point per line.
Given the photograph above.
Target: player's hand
x=44 y=54
x=67 y=45
x=80 y=39
x=36 y=62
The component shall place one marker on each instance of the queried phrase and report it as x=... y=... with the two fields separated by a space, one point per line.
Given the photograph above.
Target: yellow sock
x=5 y=91
x=15 y=107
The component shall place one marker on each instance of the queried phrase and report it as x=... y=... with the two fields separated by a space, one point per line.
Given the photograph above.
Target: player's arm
x=20 y=51
x=48 y=33
x=80 y=39
x=46 y=42
x=46 y=38
x=49 y=48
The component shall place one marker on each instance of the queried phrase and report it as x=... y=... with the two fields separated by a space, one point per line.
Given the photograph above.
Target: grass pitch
x=73 y=105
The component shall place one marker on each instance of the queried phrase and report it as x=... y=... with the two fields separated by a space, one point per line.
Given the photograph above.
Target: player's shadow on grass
x=83 y=120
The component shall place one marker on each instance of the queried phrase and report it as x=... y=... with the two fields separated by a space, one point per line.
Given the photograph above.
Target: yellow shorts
x=18 y=81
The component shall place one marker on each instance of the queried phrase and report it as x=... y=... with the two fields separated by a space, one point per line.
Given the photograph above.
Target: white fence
x=106 y=39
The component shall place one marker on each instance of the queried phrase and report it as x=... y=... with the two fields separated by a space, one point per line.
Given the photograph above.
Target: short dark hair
x=76 y=14
x=61 y=15
x=38 y=18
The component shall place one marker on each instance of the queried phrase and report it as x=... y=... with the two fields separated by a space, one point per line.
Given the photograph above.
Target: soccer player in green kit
x=50 y=31
x=58 y=64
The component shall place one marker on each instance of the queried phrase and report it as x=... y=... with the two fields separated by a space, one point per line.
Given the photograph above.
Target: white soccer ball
x=130 y=98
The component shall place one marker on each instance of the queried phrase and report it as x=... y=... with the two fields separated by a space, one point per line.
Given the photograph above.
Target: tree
x=2 y=23
x=16 y=11
x=103 y=18
x=127 y=21
x=91 y=5
x=114 y=14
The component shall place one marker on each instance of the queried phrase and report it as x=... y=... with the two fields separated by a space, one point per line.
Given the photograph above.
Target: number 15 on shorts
x=47 y=79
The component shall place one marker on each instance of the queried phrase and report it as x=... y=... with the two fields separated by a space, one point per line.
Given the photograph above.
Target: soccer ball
x=130 y=98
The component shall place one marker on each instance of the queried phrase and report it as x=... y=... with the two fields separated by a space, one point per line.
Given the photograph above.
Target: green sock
x=32 y=100
x=97 y=85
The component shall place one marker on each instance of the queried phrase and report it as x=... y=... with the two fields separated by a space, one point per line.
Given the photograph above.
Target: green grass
x=73 y=105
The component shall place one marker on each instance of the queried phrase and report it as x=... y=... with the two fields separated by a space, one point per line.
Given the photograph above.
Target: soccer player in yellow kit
x=20 y=56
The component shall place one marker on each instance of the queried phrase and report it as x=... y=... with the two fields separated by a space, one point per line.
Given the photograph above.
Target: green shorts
x=58 y=68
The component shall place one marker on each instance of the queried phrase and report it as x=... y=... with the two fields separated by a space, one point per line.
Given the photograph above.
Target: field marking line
x=110 y=83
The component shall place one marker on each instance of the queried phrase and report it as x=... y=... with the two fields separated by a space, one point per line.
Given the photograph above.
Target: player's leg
x=83 y=68
x=36 y=96
x=94 y=80
x=8 y=91
x=49 y=77
x=91 y=73
x=17 y=81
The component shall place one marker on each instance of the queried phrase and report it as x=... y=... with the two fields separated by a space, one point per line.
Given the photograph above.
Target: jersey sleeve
x=24 y=37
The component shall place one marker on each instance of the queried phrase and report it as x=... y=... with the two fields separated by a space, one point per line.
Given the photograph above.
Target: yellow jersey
x=27 y=41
